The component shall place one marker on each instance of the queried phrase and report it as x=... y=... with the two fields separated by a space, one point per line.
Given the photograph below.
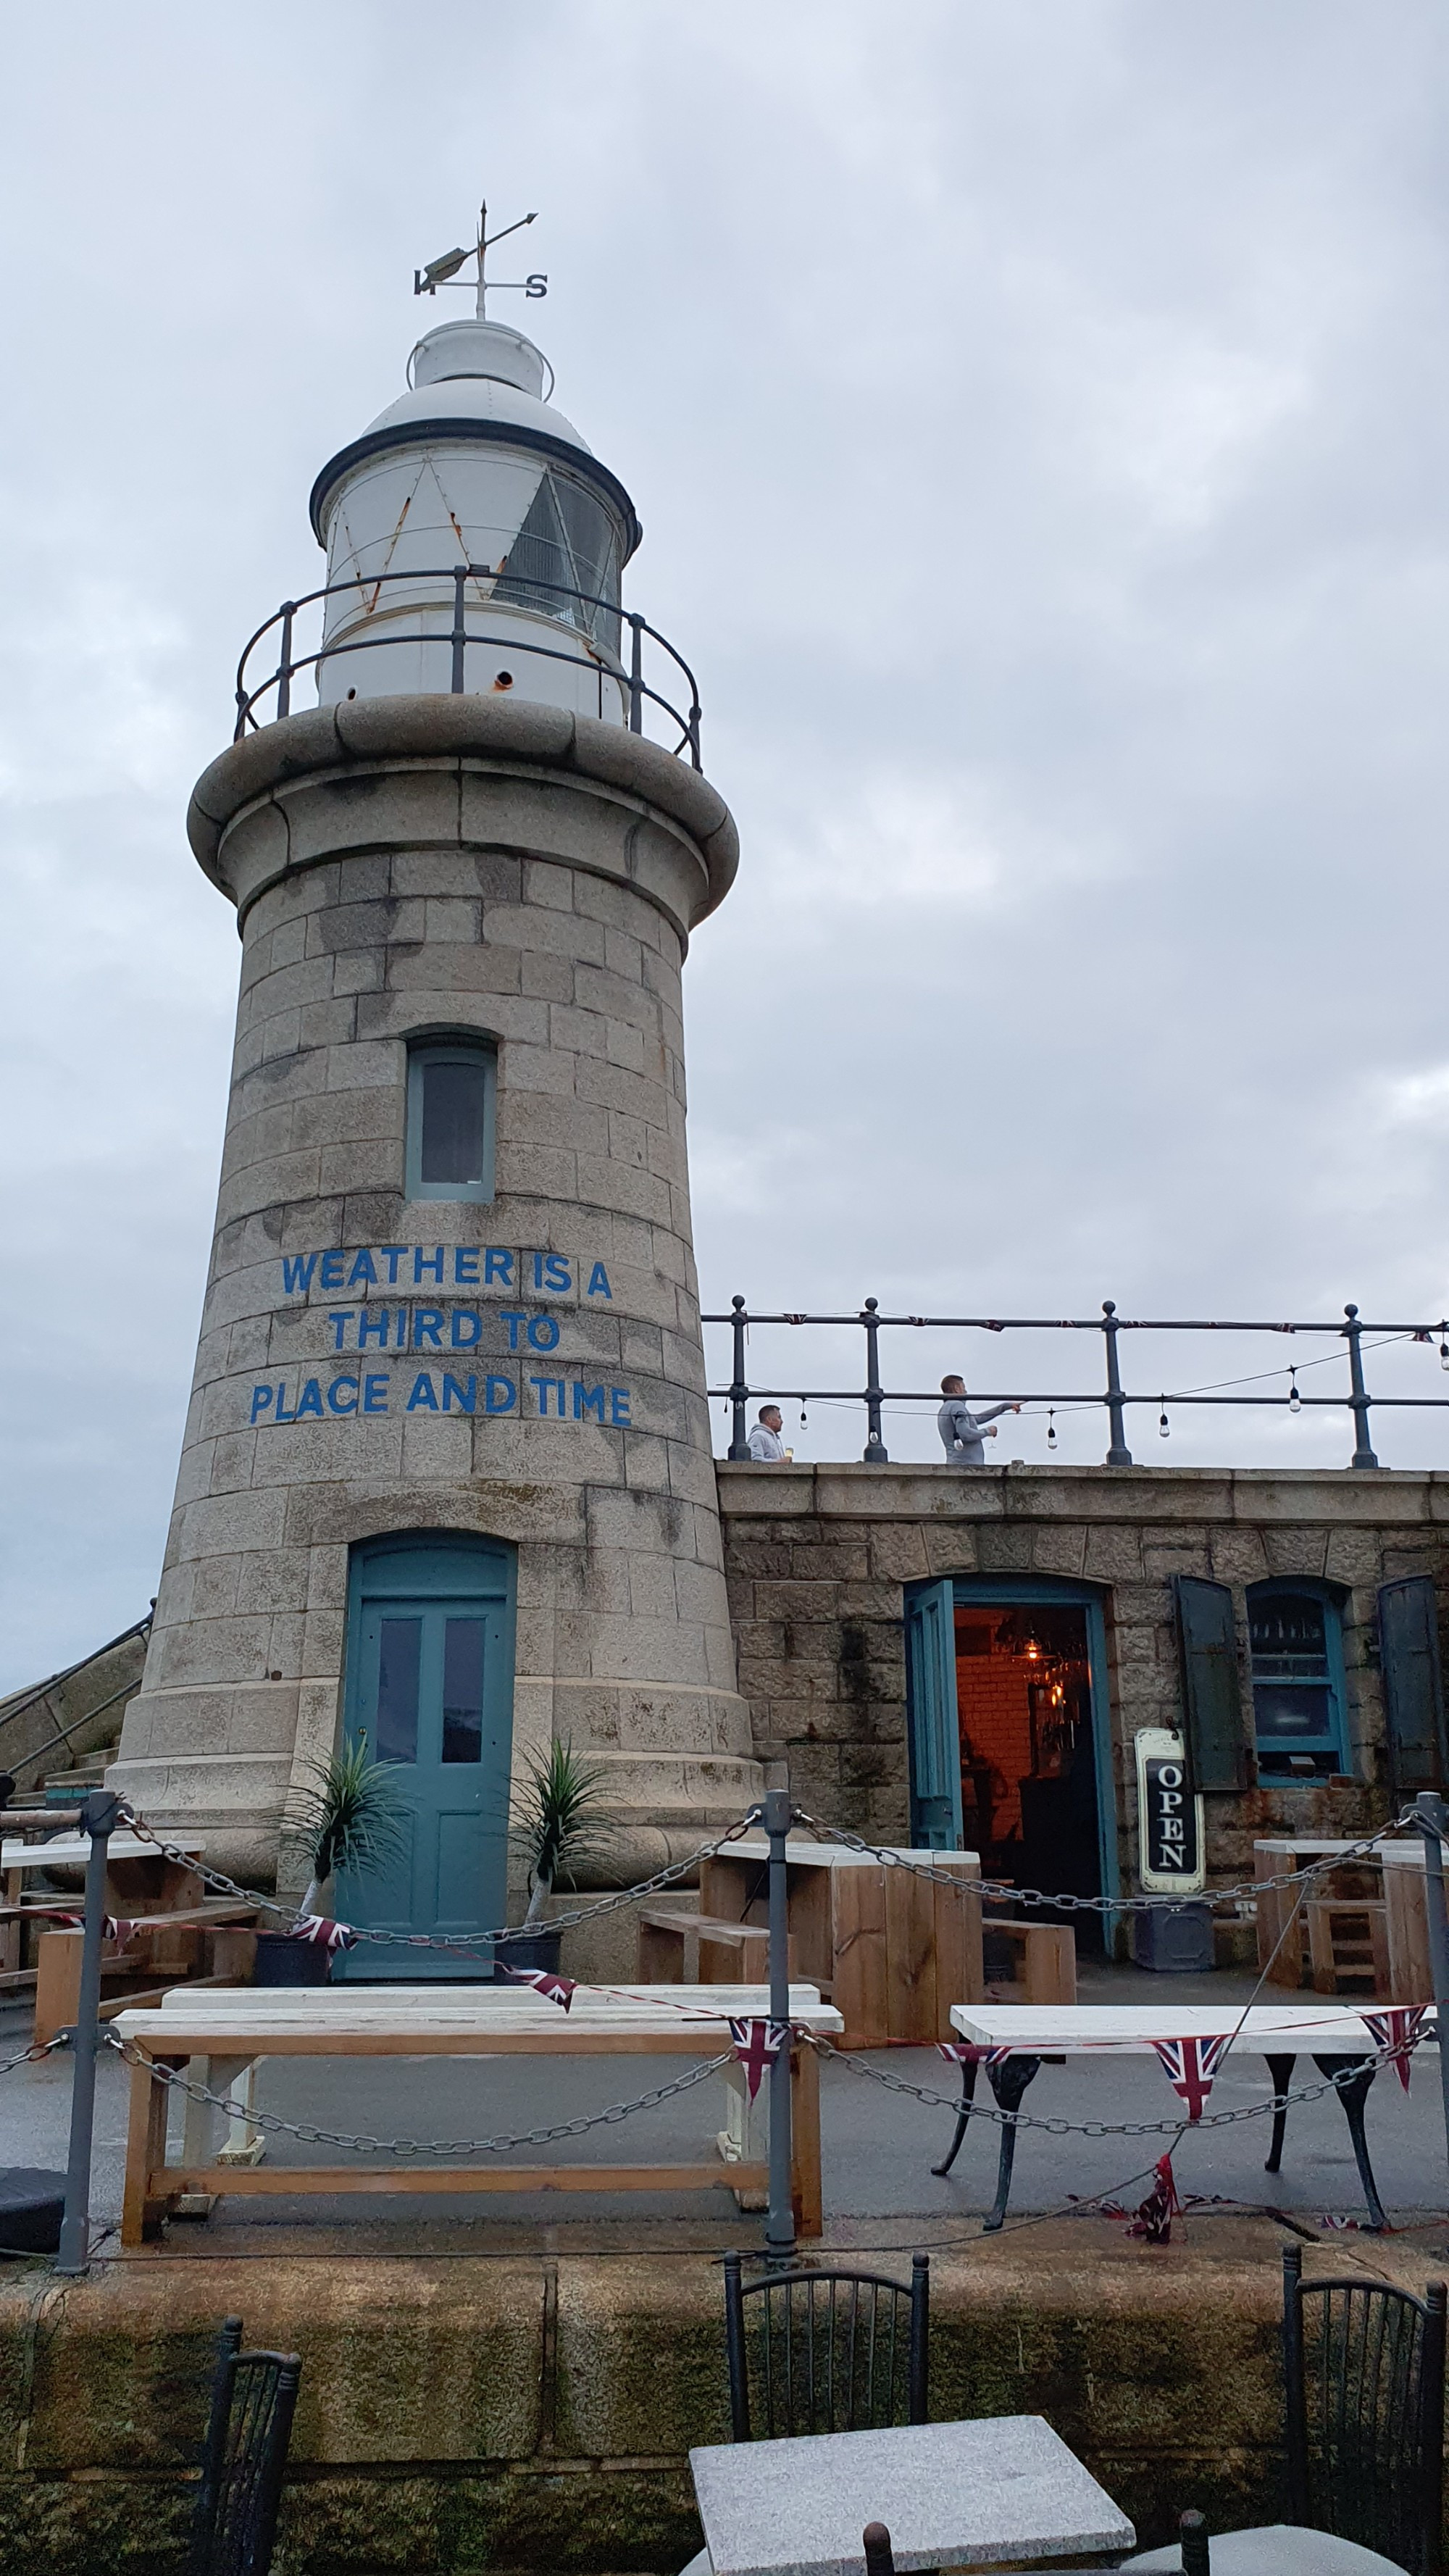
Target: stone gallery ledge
x=533 y=2411
x=1367 y=1497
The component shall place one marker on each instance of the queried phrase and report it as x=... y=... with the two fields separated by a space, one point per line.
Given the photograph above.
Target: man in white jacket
x=766 y=1446
x=961 y=1429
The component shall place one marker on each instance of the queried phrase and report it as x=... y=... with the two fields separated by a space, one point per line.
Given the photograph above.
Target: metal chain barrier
x=364 y=2145
x=1102 y=2128
x=470 y=1945
x=1002 y=1890
x=32 y=2056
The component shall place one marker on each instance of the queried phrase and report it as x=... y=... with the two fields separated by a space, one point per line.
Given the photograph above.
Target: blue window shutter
x=1217 y=1749
x=934 y=1736
x=1413 y=1685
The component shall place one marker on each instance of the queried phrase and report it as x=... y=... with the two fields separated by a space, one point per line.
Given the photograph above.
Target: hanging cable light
x=1051 y=1427
x=804 y=1417
x=1164 y=1427
x=1295 y=1400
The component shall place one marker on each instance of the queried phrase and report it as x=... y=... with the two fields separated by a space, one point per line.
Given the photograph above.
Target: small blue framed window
x=1299 y=1700
x=452 y=1097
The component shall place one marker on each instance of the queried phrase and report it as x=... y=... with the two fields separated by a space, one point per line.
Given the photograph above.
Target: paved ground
x=878 y=2146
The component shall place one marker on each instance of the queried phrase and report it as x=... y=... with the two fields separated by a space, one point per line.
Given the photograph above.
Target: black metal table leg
x=1008 y=2082
x=1354 y=2097
x=969 y=2066
x=1280 y=2072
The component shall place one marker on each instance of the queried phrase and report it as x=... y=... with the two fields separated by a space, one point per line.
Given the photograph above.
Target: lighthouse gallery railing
x=638 y=692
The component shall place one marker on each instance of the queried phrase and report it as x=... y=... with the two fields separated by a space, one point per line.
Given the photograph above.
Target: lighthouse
x=446 y=1482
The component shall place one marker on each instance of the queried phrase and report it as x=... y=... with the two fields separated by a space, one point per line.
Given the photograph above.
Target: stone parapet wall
x=518 y=2412
x=818 y=1559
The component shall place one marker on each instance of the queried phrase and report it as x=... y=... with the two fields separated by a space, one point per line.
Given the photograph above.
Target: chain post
x=1118 y=1453
x=636 y=672
x=875 y=1453
x=99 y=1818
x=460 y=584
x=284 y=674
x=739 y=1389
x=1359 y=1400
x=780 y=2219
x=1432 y=1818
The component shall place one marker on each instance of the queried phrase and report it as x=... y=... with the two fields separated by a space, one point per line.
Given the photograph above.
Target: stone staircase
x=67 y=1788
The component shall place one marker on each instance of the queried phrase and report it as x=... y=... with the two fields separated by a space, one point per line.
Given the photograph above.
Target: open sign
x=1169 y=1816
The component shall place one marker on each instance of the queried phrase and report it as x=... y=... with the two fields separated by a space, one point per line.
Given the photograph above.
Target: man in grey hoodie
x=961 y=1429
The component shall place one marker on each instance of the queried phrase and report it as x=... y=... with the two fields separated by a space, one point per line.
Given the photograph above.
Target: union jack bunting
x=320 y=1929
x=1190 y=2065
x=116 y=1927
x=757 y=2044
x=969 y=2052
x=559 y=1990
x=1396 y=2030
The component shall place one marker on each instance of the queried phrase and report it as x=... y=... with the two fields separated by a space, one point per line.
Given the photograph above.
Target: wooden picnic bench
x=219 y=2035
x=892 y=1950
x=1380 y=1940
x=173 y=1928
x=1333 y=2034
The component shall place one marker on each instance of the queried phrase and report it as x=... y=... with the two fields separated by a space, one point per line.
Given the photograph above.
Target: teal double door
x=430 y=1686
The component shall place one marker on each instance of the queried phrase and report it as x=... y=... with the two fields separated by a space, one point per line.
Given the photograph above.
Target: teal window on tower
x=452 y=1088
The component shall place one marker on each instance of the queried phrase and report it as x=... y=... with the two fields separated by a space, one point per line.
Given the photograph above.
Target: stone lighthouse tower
x=446 y=1480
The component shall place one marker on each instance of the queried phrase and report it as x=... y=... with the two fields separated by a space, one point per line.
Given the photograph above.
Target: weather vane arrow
x=444 y=271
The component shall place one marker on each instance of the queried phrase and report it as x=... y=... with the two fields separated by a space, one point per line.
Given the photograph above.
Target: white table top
x=808 y=1855
x=1055 y=2030
x=1408 y=1854
x=1000 y=2488
x=72 y=1850
x=253 y=2011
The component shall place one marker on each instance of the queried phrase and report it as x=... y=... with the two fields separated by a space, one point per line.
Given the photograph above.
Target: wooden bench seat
x=729 y=1953
x=1049 y=1957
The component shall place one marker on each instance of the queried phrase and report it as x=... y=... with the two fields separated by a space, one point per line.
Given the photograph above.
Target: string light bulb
x=1444 y=1354
x=1051 y=1428
x=1295 y=1400
x=1164 y=1427
x=804 y=1417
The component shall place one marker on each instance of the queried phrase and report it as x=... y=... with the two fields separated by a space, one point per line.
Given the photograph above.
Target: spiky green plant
x=560 y=1820
x=348 y=1814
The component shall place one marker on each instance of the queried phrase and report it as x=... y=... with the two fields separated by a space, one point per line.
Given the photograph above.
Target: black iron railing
x=636 y=691
x=1114 y=1397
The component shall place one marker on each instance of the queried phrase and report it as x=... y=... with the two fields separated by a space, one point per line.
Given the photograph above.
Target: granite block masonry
x=529 y=1369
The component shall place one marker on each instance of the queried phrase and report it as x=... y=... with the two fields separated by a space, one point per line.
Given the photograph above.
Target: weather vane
x=444 y=271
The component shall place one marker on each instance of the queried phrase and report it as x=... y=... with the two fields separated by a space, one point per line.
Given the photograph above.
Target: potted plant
x=347 y=1815
x=560 y=1821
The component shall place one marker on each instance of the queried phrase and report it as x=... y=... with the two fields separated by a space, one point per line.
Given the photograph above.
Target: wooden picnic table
x=1285 y=1949
x=892 y=1951
x=220 y=2034
x=163 y=1899
x=1048 y=2034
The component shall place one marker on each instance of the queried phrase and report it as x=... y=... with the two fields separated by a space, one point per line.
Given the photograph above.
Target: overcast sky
x=1037 y=414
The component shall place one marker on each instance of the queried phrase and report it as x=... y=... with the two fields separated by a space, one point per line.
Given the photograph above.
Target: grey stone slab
x=1004 y=2491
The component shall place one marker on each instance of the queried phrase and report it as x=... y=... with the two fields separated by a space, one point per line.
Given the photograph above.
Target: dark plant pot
x=538 y=1949
x=282 y=1960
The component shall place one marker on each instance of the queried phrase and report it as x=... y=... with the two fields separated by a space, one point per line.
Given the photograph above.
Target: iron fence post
x=460 y=583
x=1118 y=1453
x=1432 y=1819
x=636 y=672
x=99 y=1818
x=875 y=1453
x=1360 y=1400
x=739 y=1387
x=284 y=675
x=780 y=2218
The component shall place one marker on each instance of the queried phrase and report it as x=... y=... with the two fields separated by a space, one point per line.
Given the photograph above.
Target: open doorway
x=1009 y=1734
x=1028 y=1759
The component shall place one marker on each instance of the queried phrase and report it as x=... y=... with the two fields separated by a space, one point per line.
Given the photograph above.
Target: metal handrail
x=1115 y=1397
x=460 y=635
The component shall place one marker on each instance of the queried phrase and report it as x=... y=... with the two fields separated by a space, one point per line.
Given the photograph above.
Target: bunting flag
x=757 y=2044
x=1397 y=2030
x=118 y=1928
x=1154 y=2218
x=1190 y=2065
x=970 y=2052
x=559 y=1990
x=320 y=1929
